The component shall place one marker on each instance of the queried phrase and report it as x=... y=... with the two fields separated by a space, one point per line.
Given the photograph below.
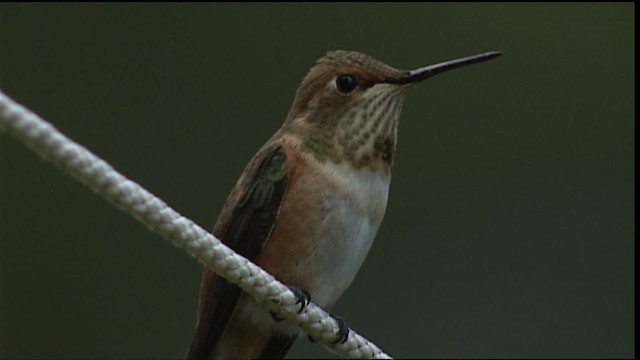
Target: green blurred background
x=510 y=225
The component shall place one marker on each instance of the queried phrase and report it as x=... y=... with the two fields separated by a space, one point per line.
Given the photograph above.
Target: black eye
x=346 y=83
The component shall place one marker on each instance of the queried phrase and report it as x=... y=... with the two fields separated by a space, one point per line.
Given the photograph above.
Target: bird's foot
x=343 y=332
x=302 y=296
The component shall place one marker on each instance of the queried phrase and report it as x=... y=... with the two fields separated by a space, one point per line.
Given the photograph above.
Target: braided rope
x=98 y=175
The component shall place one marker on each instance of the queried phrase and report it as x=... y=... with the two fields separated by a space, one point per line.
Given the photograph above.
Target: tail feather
x=277 y=347
x=214 y=315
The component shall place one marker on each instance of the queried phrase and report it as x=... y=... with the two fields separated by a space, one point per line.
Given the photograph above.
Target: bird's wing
x=244 y=225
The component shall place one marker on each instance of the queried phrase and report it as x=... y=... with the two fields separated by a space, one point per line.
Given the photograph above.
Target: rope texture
x=98 y=175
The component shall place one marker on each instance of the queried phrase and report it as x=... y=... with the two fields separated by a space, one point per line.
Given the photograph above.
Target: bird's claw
x=302 y=295
x=343 y=333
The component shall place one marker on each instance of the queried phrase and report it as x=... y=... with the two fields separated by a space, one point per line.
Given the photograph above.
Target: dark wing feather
x=277 y=347
x=244 y=225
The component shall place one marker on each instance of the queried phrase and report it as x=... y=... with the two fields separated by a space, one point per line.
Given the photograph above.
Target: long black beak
x=422 y=73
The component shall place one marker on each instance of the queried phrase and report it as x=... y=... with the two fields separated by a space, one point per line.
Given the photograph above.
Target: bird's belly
x=344 y=239
x=349 y=213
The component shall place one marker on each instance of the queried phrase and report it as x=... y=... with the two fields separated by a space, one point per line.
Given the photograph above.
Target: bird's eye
x=346 y=83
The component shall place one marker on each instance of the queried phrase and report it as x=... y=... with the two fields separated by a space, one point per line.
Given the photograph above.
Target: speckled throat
x=364 y=134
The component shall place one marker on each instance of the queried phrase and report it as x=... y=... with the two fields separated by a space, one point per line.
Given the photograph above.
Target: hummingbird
x=309 y=203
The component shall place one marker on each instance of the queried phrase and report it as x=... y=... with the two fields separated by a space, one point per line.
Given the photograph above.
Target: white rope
x=98 y=175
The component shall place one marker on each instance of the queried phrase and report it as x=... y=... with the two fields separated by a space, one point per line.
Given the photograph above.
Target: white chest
x=351 y=213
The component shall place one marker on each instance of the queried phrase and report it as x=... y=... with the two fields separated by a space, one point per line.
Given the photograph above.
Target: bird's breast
x=352 y=211
x=326 y=226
